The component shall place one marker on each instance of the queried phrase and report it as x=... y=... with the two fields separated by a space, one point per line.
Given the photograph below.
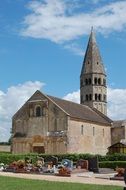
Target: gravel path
x=73 y=178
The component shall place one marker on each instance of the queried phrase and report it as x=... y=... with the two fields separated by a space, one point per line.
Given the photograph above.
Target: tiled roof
x=80 y=111
x=74 y=110
x=119 y=123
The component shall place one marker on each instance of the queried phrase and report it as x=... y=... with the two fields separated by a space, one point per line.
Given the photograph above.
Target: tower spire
x=93 y=77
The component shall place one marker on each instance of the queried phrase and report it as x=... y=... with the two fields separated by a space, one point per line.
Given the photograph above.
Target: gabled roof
x=80 y=111
x=118 y=143
x=74 y=110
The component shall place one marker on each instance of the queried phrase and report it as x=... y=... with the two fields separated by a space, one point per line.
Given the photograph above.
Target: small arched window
x=82 y=129
x=99 y=81
x=93 y=131
x=86 y=97
x=90 y=96
x=96 y=97
x=99 y=97
x=38 y=111
x=95 y=80
x=89 y=80
x=86 y=81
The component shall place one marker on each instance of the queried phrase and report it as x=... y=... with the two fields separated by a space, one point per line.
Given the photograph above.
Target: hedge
x=112 y=164
x=7 y=158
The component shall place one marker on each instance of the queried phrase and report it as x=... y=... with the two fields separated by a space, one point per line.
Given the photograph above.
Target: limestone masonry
x=46 y=124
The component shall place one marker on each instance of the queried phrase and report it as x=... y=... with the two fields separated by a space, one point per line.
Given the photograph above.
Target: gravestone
x=83 y=164
x=52 y=160
x=67 y=163
x=93 y=164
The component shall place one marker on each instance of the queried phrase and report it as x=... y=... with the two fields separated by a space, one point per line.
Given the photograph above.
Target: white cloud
x=55 y=21
x=73 y=47
x=16 y=96
x=74 y=96
x=11 y=101
x=116 y=102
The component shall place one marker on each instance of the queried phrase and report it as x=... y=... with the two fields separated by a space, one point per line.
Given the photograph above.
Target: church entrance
x=39 y=149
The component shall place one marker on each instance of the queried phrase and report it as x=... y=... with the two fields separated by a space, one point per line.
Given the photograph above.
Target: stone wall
x=28 y=129
x=5 y=148
x=84 y=137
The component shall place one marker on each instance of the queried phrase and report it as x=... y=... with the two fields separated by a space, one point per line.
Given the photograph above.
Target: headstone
x=67 y=163
x=83 y=164
x=93 y=164
x=52 y=160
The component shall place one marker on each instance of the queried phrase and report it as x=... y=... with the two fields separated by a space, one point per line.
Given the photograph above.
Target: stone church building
x=47 y=124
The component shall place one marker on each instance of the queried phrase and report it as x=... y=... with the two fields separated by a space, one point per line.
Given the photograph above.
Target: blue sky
x=42 y=45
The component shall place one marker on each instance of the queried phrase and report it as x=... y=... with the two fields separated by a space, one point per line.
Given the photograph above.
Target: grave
x=93 y=164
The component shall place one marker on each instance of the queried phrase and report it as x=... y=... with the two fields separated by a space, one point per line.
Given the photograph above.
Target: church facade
x=47 y=124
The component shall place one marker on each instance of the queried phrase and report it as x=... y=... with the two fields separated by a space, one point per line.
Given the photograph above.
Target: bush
x=112 y=164
x=7 y=158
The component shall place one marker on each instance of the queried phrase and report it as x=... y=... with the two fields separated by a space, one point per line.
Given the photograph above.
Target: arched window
x=38 y=111
x=93 y=131
x=89 y=80
x=103 y=132
x=95 y=80
x=86 y=97
x=90 y=96
x=82 y=129
x=96 y=97
x=99 y=97
x=99 y=81
x=86 y=81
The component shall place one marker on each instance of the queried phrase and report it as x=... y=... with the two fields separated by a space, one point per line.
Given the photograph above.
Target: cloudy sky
x=42 y=45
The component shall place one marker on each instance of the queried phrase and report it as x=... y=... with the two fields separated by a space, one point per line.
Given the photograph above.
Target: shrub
x=112 y=164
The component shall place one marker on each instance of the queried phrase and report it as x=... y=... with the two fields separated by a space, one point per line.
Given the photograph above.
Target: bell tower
x=93 y=90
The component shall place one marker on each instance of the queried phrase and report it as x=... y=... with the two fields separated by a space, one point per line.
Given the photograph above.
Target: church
x=47 y=124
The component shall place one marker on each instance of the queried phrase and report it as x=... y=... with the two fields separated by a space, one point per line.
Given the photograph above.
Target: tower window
x=99 y=97
x=89 y=80
x=97 y=63
x=86 y=97
x=38 y=111
x=86 y=81
x=95 y=80
x=99 y=81
x=88 y=62
x=90 y=97
x=96 y=97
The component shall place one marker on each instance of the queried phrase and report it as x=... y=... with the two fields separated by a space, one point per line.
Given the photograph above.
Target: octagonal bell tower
x=93 y=90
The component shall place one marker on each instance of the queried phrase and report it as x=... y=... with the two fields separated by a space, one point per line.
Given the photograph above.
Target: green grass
x=10 y=183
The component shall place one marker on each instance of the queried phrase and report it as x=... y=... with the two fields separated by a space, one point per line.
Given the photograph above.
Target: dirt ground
x=78 y=178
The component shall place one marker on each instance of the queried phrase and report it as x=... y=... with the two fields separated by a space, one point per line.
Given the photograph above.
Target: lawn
x=10 y=183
